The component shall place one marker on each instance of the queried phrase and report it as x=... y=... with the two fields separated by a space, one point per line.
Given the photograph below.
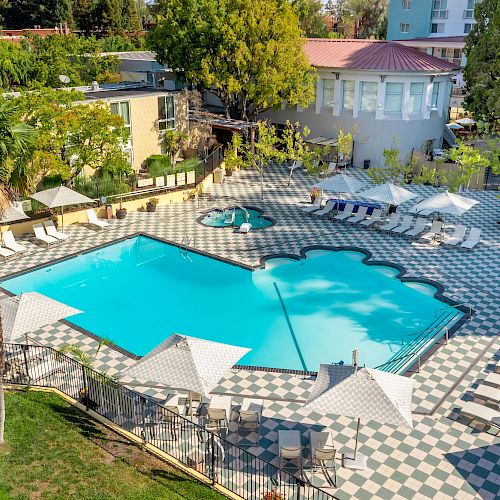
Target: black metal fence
x=491 y=180
x=213 y=160
x=203 y=450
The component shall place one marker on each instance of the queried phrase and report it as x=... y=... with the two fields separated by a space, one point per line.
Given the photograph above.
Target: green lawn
x=55 y=451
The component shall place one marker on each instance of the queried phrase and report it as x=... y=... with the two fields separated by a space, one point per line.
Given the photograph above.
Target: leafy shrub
x=158 y=165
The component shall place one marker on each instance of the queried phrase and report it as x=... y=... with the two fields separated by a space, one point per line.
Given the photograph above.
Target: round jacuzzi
x=235 y=217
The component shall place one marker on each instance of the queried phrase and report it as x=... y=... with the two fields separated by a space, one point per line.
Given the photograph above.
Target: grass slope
x=55 y=451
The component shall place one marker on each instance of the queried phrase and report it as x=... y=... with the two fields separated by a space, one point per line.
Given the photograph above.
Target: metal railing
x=213 y=160
x=209 y=453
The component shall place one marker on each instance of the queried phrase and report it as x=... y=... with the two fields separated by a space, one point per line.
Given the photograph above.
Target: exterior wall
x=419 y=17
x=376 y=130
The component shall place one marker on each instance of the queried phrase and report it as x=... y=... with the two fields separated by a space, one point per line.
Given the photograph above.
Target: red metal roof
x=376 y=55
x=452 y=39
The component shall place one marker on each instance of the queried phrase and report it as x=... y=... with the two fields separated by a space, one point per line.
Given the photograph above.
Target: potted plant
x=151 y=204
x=121 y=212
x=273 y=495
x=314 y=194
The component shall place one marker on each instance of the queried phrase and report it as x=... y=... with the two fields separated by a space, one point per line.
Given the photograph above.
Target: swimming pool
x=235 y=217
x=292 y=314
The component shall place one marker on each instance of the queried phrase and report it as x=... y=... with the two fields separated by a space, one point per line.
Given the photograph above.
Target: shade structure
x=61 y=196
x=446 y=203
x=340 y=183
x=466 y=121
x=364 y=393
x=454 y=126
x=25 y=313
x=12 y=213
x=388 y=193
x=189 y=363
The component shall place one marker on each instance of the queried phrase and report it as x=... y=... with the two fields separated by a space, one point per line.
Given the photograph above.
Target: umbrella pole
x=355 y=461
x=357 y=437
x=62 y=219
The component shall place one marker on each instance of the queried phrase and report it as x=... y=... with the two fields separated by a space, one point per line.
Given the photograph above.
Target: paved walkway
x=444 y=456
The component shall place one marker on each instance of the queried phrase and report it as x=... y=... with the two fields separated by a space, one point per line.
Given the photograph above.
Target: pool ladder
x=185 y=243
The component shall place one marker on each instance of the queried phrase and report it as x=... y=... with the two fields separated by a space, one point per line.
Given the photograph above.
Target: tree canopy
x=312 y=18
x=482 y=71
x=248 y=53
x=361 y=18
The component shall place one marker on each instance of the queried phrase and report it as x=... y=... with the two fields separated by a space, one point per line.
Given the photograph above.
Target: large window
x=368 y=101
x=166 y=112
x=406 y=4
x=416 y=97
x=439 y=9
x=393 y=97
x=435 y=95
x=469 y=11
x=122 y=109
x=405 y=28
x=437 y=28
x=328 y=85
x=348 y=94
x=468 y=27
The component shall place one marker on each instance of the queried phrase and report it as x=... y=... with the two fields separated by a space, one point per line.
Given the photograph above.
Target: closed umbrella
x=60 y=197
x=364 y=393
x=13 y=212
x=189 y=363
x=388 y=193
x=445 y=203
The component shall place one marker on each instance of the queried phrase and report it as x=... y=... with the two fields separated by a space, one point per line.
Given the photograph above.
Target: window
x=437 y=28
x=166 y=112
x=328 y=86
x=468 y=27
x=416 y=97
x=405 y=28
x=469 y=11
x=368 y=100
x=406 y=4
x=347 y=94
x=439 y=9
x=393 y=97
x=435 y=95
x=122 y=109
x=457 y=53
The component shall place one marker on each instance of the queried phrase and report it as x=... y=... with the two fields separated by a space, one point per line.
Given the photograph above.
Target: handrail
x=430 y=327
x=456 y=306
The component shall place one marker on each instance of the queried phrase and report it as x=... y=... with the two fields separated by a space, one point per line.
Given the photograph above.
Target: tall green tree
x=482 y=71
x=248 y=53
x=362 y=18
x=312 y=18
x=21 y=14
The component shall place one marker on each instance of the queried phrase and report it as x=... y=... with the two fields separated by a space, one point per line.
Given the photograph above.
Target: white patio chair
x=5 y=252
x=52 y=231
x=436 y=228
x=326 y=209
x=405 y=224
x=42 y=236
x=94 y=221
x=473 y=239
x=245 y=227
x=10 y=242
x=249 y=418
x=373 y=218
x=315 y=206
x=487 y=393
x=323 y=452
x=457 y=236
x=219 y=410
x=492 y=379
x=482 y=413
x=418 y=229
x=346 y=213
x=360 y=215
x=392 y=223
x=290 y=449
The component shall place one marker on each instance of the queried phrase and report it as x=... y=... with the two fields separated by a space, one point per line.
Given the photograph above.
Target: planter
x=121 y=213
x=229 y=172
x=313 y=199
x=150 y=207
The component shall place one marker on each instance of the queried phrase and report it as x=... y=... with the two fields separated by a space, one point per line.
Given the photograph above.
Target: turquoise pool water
x=224 y=218
x=293 y=314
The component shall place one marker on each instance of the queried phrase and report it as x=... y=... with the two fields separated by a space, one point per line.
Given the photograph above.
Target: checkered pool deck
x=444 y=456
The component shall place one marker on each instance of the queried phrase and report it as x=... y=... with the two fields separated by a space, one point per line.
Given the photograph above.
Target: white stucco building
x=382 y=90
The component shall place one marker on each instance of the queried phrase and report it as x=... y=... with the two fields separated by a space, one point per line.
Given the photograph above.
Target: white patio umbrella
x=446 y=203
x=339 y=183
x=60 y=197
x=466 y=121
x=189 y=363
x=13 y=212
x=25 y=313
x=388 y=193
x=364 y=393
x=454 y=126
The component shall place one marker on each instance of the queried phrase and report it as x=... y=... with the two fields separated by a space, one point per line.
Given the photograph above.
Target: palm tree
x=15 y=139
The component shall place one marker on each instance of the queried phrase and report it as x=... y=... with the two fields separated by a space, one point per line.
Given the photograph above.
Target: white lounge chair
x=405 y=224
x=457 y=236
x=492 y=379
x=10 y=242
x=290 y=448
x=473 y=239
x=249 y=418
x=219 y=410
x=487 y=393
x=52 y=231
x=373 y=218
x=315 y=206
x=42 y=236
x=360 y=215
x=326 y=209
x=5 y=252
x=391 y=223
x=418 y=229
x=323 y=452
x=346 y=213
x=436 y=228
x=482 y=413
x=94 y=221
x=245 y=227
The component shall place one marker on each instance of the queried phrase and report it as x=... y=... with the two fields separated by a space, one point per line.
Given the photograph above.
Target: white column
x=443 y=92
x=319 y=96
x=379 y=111
x=427 y=100
x=337 y=97
x=357 y=97
x=405 y=106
